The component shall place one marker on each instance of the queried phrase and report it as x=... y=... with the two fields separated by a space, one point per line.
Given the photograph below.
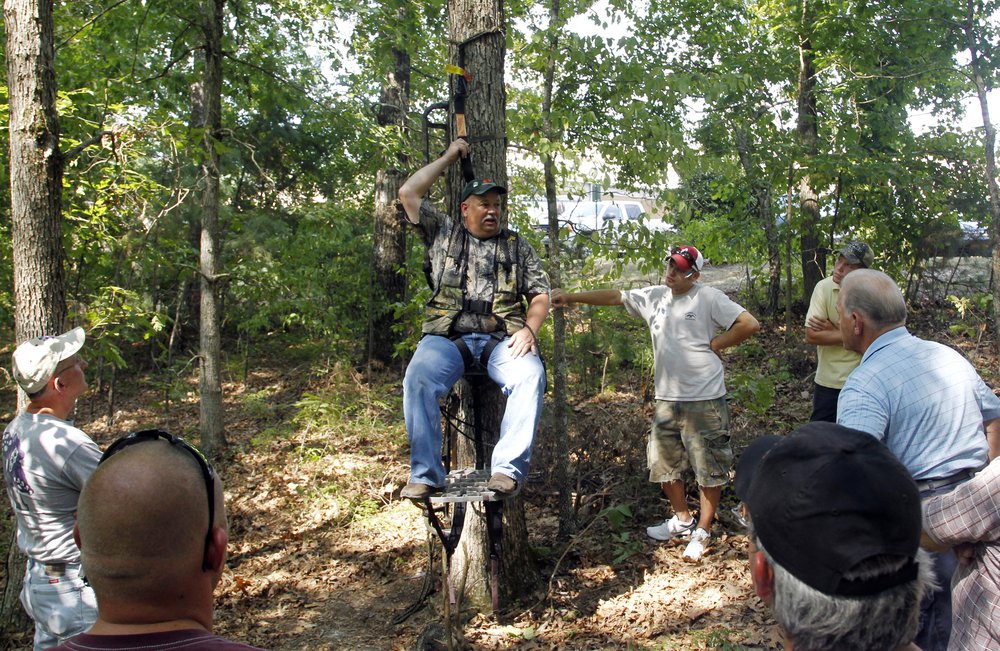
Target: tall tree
x=983 y=67
x=389 y=241
x=475 y=29
x=36 y=205
x=210 y=359
x=560 y=447
x=807 y=131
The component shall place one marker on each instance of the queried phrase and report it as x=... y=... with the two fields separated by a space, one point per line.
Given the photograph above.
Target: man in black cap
x=835 y=533
x=489 y=298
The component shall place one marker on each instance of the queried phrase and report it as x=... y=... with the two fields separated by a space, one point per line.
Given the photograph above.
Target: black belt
x=924 y=485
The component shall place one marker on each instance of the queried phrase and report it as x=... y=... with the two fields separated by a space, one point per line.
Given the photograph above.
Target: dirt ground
x=324 y=554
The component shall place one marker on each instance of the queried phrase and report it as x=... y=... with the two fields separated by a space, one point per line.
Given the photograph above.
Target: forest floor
x=325 y=555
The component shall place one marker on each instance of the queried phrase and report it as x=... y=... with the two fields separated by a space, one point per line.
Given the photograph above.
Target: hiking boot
x=672 y=528
x=417 y=491
x=695 y=548
x=501 y=485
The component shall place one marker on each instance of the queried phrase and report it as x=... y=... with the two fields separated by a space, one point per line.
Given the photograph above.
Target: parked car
x=584 y=217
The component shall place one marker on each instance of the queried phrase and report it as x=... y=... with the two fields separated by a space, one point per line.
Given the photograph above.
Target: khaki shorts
x=691 y=434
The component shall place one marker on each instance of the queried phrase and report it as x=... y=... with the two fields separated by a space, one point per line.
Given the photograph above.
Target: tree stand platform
x=461 y=488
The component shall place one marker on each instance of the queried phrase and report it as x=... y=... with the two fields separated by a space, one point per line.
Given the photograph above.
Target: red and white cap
x=687 y=258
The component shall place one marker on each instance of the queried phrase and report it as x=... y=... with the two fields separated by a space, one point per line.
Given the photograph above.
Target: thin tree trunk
x=558 y=432
x=813 y=260
x=36 y=211
x=989 y=146
x=389 y=240
x=210 y=377
x=762 y=209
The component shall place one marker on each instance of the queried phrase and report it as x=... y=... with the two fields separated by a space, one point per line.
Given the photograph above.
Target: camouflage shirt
x=477 y=266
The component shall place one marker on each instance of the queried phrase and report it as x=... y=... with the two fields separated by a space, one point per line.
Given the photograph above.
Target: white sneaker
x=672 y=528
x=695 y=548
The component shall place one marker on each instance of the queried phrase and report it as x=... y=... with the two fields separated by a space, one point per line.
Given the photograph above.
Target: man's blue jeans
x=436 y=366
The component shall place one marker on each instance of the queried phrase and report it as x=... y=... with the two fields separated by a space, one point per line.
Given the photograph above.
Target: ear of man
x=216 y=553
x=763 y=577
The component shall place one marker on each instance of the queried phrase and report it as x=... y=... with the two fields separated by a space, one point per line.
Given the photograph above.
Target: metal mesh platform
x=466 y=485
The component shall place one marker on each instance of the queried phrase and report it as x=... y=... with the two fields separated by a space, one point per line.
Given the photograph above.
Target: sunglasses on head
x=686 y=254
x=206 y=468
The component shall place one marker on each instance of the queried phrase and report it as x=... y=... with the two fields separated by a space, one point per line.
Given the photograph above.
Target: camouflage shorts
x=692 y=435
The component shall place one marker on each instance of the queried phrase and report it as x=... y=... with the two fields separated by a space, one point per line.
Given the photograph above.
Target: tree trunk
x=989 y=146
x=36 y=211
x=813 y=260
x=560 y=440
x=389 y=238
x=210 y=359
x=475 y=32
x=761 y=192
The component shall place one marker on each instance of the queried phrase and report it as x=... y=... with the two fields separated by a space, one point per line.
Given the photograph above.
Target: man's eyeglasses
x=206 y=468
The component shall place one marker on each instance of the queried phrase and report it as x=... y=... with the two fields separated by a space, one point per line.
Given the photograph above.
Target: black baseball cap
x=824 y=499
x=749 y=460
x=481 y=186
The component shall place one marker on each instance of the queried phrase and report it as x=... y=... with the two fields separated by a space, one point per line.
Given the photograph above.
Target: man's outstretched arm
x=561 y=298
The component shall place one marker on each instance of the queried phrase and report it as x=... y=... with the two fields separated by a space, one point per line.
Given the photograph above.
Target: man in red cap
x=690 y=325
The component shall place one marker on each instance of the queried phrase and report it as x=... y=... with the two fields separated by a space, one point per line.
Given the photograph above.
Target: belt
x=55 y=569
x=924 y=485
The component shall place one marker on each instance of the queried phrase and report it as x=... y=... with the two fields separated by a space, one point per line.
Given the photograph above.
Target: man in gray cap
x=46 y=461
x=833 y=362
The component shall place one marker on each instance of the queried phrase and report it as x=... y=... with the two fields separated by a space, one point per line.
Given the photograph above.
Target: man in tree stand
x=833 y=362
x=478 y=272
x=691 y=415
x=45 y=464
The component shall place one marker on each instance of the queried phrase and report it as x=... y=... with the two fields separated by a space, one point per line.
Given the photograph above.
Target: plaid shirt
x=971 y=514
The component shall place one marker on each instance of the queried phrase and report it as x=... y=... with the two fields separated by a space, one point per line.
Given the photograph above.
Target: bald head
x=876 y=296
x=142 y=520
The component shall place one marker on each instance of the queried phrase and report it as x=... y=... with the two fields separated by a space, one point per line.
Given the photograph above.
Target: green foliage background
x=688 y=104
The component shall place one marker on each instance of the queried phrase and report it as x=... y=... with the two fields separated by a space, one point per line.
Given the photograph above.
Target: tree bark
x=210 y=359
x=36 y=211
x=477 y=42
x=761 y=192
x=560 y=439
x=813 y=260
x=989 y=146
x=389 y=238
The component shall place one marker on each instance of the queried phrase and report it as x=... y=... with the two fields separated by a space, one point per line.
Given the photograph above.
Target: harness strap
x=449 y=540
x=476 y=368
x=494 y=535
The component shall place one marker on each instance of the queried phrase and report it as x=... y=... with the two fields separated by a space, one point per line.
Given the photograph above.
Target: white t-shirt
x=682 y=328
x=45 y=463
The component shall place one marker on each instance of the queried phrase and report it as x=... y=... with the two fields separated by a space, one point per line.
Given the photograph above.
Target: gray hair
x=821 y=622
x=876 y=296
